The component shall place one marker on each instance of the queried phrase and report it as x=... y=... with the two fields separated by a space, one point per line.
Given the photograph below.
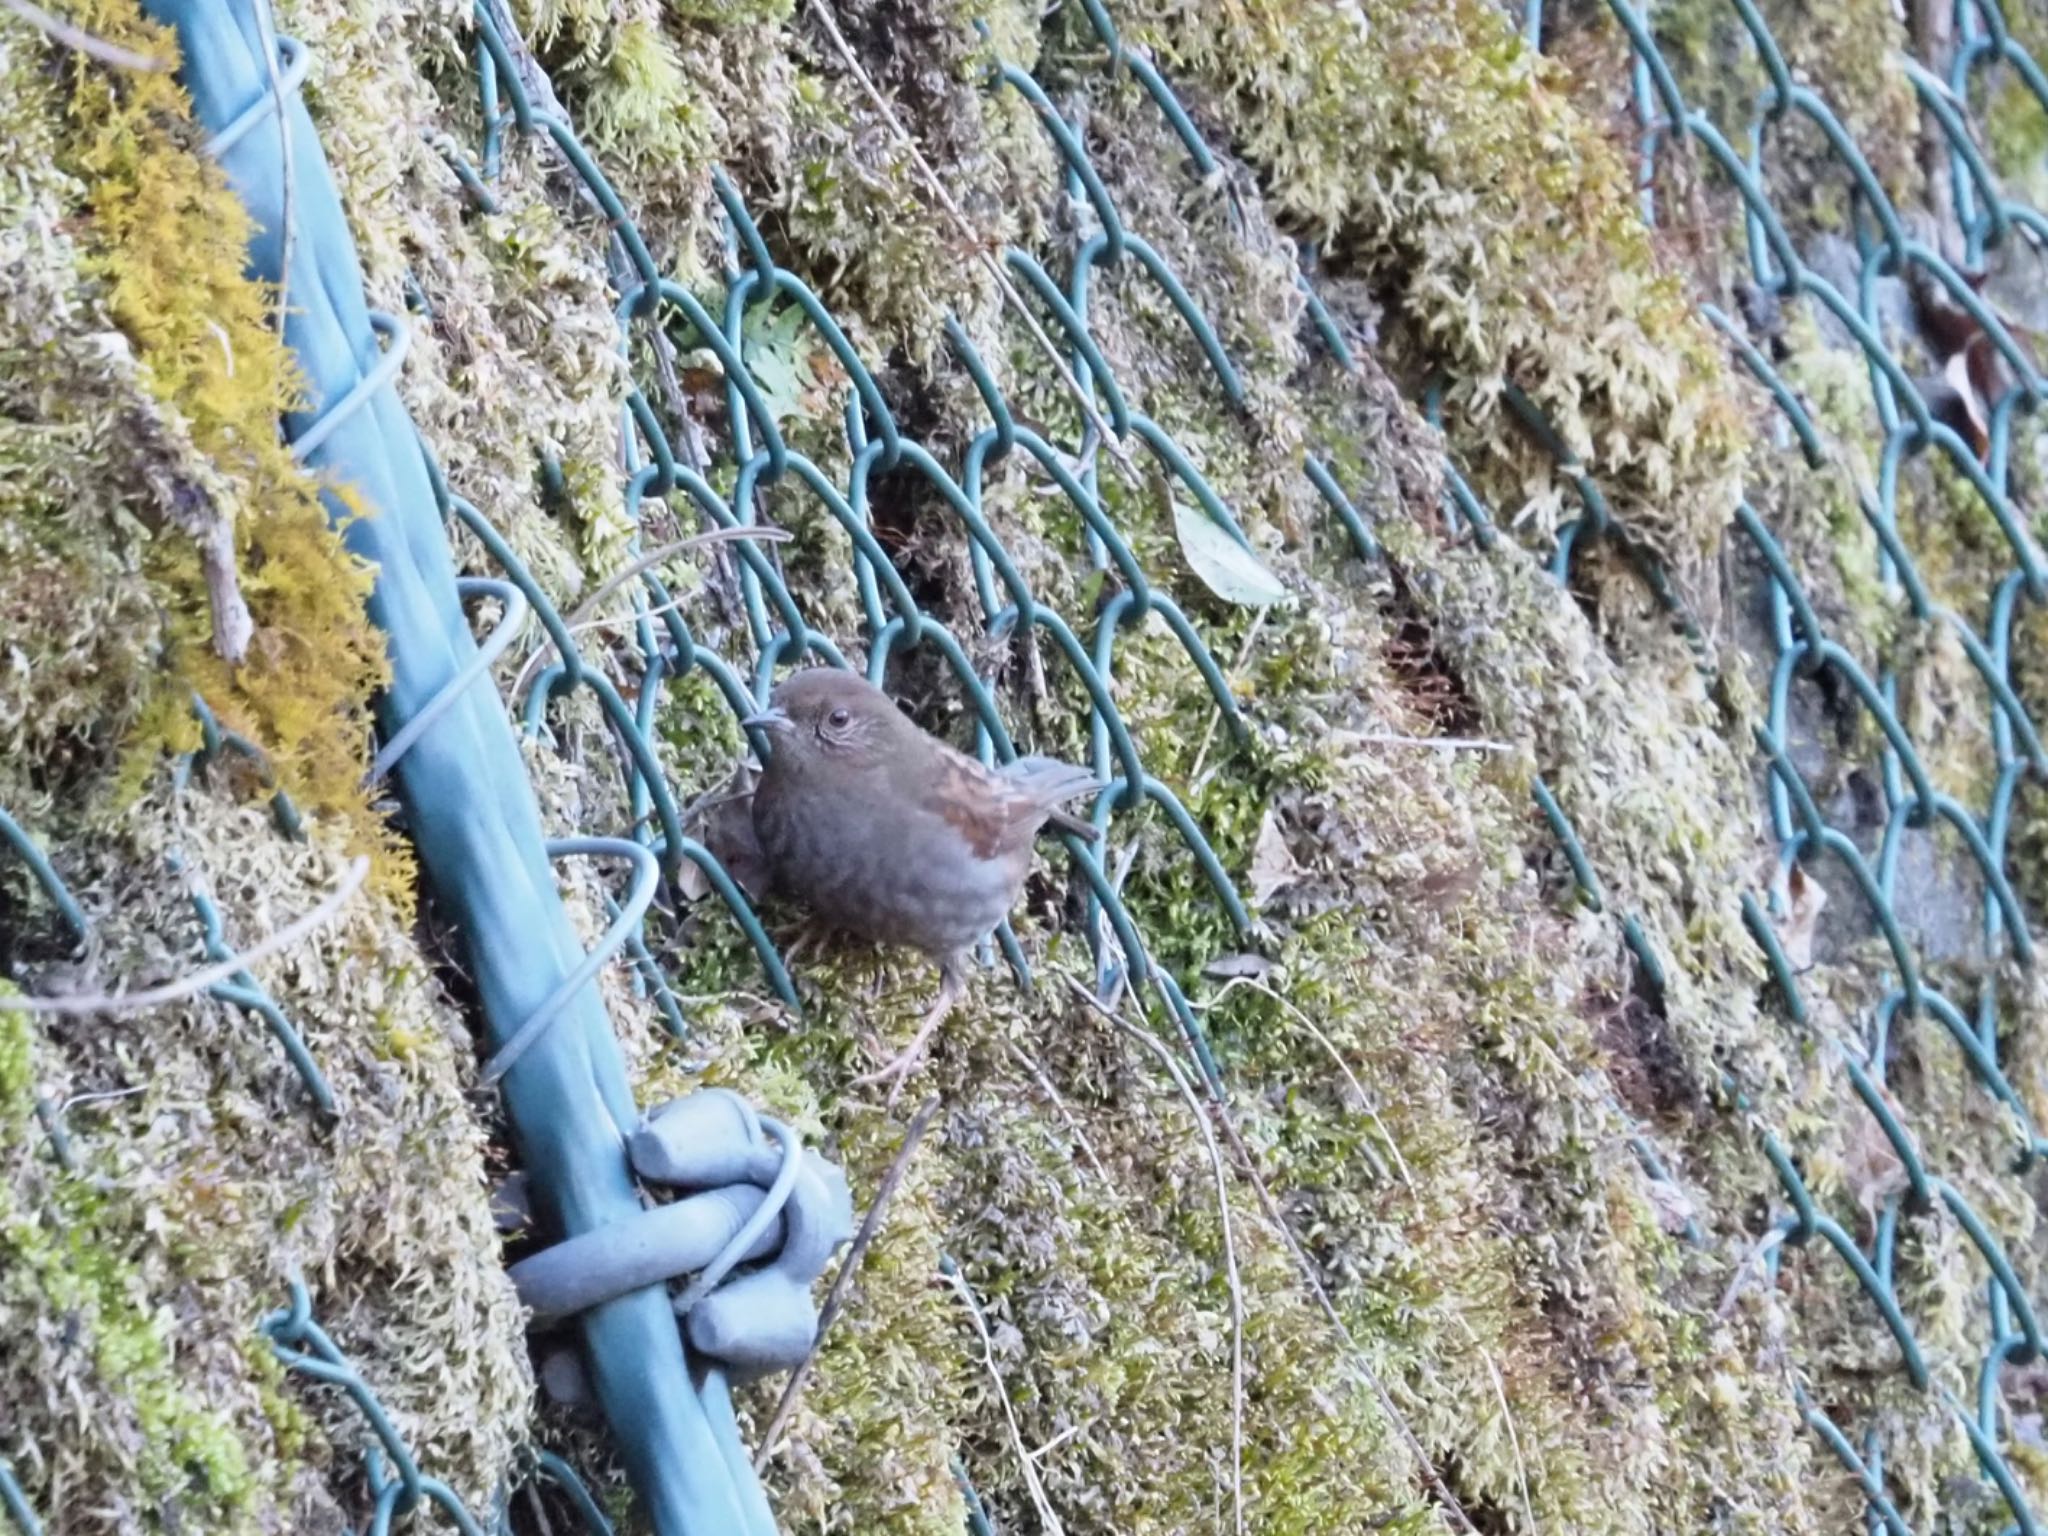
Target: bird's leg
x=810 y=933
x=951 y=984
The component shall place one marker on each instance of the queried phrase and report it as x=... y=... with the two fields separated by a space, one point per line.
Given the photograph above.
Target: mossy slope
x=1440 y=1074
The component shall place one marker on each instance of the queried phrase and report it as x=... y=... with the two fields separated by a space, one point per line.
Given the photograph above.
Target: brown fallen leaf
x=1871 y=1167
x=1447 y=887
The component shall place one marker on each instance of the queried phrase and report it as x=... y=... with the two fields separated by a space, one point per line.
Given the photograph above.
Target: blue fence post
x=467 y=800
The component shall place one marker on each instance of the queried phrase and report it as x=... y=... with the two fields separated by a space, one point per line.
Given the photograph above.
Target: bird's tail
x=1051 y=783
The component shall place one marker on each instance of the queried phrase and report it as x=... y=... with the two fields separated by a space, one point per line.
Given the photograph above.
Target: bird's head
x=827 y=715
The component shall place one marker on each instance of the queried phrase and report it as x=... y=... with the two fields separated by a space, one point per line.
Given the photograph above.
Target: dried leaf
x=1871 y=1167
x=1226 y=567
x=1232 y=967
x=1445 y=888
x=1805 y=898
x=1273 y=868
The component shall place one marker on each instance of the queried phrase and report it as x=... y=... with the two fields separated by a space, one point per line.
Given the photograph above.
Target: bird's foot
x=897 y=1071
x=810 y=934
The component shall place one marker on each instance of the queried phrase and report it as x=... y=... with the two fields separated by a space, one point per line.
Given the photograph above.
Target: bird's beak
x=770 y=720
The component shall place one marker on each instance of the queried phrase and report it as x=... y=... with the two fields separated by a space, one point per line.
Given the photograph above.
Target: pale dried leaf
x=1273 y=868
x=1233 y=967
x=1805 y=899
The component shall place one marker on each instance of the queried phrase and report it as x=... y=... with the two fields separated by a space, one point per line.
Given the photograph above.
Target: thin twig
x=1014 y=299
x=1315 y=1285
x=652 y=558
x=1061 y=1438
x=199 y=981
x=673 y=605
x=1046 y=1515
x=62 y=32
x=1356 y=1355
x=104 y=1096
x=672 y=396
x=870 y=1226
x=1060 y=1108
x=538 y=1508
x=1500 y=1392
x=267 y=39
x=1187 y=1093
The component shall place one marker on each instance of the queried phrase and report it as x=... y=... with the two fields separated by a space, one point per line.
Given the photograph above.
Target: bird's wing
x=999 y=811
x=1051 y=783
x=993 y=816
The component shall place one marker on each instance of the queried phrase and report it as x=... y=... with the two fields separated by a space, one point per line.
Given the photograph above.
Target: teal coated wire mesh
x=1806 y=655
x=1804 y=648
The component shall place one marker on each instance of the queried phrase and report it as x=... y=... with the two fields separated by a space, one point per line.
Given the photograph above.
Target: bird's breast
x=885 y=868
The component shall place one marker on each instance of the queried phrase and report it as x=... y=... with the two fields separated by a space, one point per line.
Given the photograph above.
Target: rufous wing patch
x=988 y=812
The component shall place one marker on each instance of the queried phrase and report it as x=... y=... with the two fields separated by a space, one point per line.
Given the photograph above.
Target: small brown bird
x=886 y=832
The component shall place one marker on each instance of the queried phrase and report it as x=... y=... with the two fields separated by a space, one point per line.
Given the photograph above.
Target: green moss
x=164 y=239
x=1439 y=1076
x=1447 y=168
x=63 y=1260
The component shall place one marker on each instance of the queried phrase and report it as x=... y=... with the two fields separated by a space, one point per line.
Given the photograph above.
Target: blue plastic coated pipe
x=464 y=789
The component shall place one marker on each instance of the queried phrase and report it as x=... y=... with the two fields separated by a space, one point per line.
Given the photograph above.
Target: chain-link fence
x=1975 y=438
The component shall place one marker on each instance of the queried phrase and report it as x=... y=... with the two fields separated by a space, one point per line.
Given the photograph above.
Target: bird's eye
x=837 y=719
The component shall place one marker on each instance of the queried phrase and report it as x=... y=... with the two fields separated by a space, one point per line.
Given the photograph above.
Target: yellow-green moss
x=185 y=1460
x=1445 y=164
x=163 y=238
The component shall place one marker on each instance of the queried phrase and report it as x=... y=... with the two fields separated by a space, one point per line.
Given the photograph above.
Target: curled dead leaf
x=1803 y=898
x=1235 y=967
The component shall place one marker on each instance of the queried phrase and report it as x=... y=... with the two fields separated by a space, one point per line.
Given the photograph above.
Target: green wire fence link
x=44 y=873
x=15 y=1502
x=245 y=992
x=551 y=1469
x=894 y=621
x=46 y=877
x=1804 y=650
x=978 y=1522
x=213 y=740
x=396 y=1483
